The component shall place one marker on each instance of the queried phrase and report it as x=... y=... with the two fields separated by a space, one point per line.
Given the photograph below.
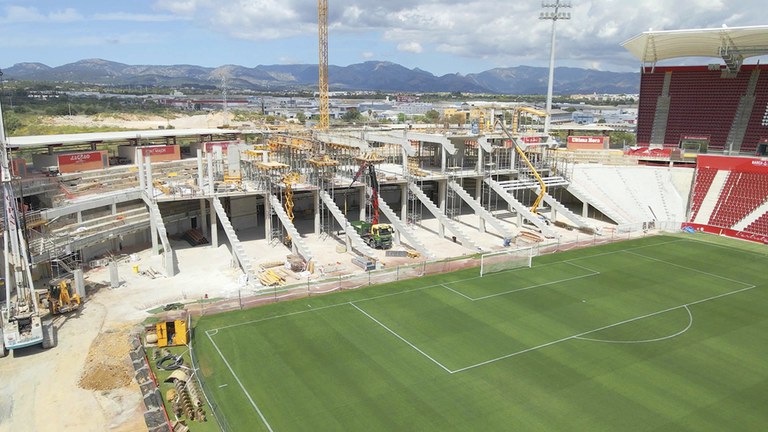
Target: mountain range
x=370 y=75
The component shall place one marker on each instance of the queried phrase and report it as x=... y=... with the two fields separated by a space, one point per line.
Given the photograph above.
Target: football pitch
x=661 y=333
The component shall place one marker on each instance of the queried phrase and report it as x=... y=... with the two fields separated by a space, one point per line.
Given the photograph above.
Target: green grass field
x=663 y=333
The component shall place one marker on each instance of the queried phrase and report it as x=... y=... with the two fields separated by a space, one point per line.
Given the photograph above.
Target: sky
x=439 y=36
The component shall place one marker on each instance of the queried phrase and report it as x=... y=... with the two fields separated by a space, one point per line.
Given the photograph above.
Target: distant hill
x=370 y=75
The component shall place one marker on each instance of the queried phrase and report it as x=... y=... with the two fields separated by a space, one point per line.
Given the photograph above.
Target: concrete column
x=79 y=217
x=362 y=203
x=140 y=163
x=200 y=178
x=405 y=162
x=153 y=231
x=210 y=172
x=214 y=227
x=267 y=218
x=404 y=202
x=585 y=209
x=203 y=221
x=148 y=172
x=316 y=199
x=480 y=159
x=441 y=189
x=114 y=209
x=479 y=198
x=443 y=159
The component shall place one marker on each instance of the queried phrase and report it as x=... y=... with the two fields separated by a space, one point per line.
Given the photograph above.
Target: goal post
x=494 y=262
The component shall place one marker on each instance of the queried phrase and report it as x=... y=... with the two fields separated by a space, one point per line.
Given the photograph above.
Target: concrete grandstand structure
x=717 y=108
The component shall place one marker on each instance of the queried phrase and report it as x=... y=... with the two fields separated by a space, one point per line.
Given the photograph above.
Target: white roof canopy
x=731 y=44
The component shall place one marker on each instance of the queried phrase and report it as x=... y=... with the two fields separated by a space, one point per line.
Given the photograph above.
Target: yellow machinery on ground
x=170 y=332
x=61 y=297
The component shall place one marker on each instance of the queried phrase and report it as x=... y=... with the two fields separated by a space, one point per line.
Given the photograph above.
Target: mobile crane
x=22 y=319
x=377 y=235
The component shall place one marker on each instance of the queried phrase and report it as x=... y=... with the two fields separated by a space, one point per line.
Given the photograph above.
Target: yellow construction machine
x=61 y=297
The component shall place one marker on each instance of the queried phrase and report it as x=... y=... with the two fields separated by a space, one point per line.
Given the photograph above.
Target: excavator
x=61 y=297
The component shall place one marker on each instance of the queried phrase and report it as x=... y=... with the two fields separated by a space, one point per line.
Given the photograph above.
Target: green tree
x=432 y=116
x=301 y=117
x=12 y=123
x=352 y=115
x=401 y=118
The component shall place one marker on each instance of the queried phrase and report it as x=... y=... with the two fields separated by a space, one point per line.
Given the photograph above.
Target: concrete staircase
x=565 y=211
x=357 y=241
x=237 y=248
x=480 y=210
x=452 y=226
x=583 y=196
x=402 y=228
x=169 y=255
x=521 y=209
x=301 y=247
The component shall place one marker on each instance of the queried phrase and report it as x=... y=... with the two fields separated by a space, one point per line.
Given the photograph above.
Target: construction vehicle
x=22 y=320
x=61 y=297
x=536 y=175
x=377 y=236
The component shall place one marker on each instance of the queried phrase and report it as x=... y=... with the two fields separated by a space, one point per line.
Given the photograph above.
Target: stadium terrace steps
x=169 y=256
x=704 y=178
x=480 y=210
x=585 y=197
x=296 y=240
x=711 y=198
x=753 y=219
x=521 y=209
x=402 y=228
x=565 y=211
x=237 y=248
x=464 y=239
x=357 y=241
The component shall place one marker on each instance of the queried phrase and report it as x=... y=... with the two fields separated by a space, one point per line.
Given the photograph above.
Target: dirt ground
x=135 y=121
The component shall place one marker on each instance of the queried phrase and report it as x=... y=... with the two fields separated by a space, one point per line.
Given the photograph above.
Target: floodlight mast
x=553 y=13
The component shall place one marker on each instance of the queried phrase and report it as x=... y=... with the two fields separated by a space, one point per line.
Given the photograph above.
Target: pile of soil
x=108 y=365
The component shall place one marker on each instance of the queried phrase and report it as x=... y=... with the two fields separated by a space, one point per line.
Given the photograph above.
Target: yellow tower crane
x=322 y=30
x=289 y=180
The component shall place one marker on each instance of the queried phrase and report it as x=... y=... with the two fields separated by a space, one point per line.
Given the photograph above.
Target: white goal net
x=505 y=260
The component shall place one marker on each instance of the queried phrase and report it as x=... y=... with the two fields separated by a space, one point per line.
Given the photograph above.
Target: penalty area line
x=401 y=338
x=242 y=387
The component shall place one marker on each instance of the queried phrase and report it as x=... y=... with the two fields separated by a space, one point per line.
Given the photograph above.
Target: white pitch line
x=690 y=323
x=434 y=286
x=576 y=336
x=401 y=338
x=687 y=268
x=242 y=387
x=536 y=286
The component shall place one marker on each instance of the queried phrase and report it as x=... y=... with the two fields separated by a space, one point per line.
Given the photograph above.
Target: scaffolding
x=324 y=171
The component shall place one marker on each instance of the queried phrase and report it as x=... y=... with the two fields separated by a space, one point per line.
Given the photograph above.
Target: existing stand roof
x=654 y=46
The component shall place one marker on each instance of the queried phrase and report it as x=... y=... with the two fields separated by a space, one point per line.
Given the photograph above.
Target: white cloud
x=410 y=47
x=132 y=17
x=20 y=14
x=367 y=55
x=504 y=33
